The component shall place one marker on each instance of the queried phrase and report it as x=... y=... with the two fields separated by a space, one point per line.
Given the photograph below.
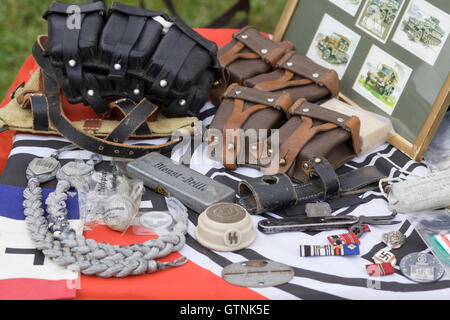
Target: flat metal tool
x=170 y=178
x=322 y=223
x=257 y=273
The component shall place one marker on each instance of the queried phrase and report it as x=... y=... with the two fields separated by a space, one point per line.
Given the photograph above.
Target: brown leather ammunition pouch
x=248 y=54
x=245 y=115
x=300 y=77
x=311 y=132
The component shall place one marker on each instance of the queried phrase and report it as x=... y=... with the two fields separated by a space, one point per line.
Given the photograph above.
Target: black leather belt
x=271 y=193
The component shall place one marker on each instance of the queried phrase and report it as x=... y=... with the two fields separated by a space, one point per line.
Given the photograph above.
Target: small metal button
x=216 y=139
x=238 y=92
x=271 y=99
x=340 y=120
x=305 y=110
x=182 y=102
x=264 y=51
x=306 y=166
x=244 y=36
x=270 y=152
x=90 y=92
x=282 y=162
x=72 y=63
x=289 y=64
x=230 y=146
x=317 y=160
x=136 y=92
x=163 y=83
x=254 y=148
x=117 y=67
x=316 y=75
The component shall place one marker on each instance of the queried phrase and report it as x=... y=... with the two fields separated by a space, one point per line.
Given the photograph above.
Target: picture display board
x=392 y=58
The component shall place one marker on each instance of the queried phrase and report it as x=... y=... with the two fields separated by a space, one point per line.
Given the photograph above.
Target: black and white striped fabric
x=315 y=277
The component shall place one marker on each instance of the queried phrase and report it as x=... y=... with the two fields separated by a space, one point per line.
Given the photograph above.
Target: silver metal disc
x=257 y=273
x=421 y=267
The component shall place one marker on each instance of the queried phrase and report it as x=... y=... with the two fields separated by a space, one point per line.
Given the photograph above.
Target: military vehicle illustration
x=334 y=48
x=387 y=10
x=426 y=31
x=383 y=81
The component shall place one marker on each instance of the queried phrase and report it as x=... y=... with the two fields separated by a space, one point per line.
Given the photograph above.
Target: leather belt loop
x=328 y=176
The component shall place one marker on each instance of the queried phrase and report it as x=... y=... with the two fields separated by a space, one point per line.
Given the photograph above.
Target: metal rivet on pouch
x=271 y=99
x=340 y=120
x=72 y=63
x=254 y=148
x=136 y=92
x=216 y=139
x=317 y=160
x=238 y=92
x=230 y=146
x=282 y=161
x=316 y=75
x=269 y=152
x=182 y=102
x=91 y=93
x=289 y=64
x=163 y=83
x=244 y=36
x=305 y=110
x=264 y=51
x=306 y=166
x=117 y=67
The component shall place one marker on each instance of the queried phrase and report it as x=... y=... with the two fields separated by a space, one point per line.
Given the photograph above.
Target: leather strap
x=276 y=195
x=38 y=104
x=234 y=53
x=230 y=133
x=122 y=49
x=133 y=120
x=292 y=146
x=283 y=82
x=327 y=175
x=308 y=69
x=87 y=141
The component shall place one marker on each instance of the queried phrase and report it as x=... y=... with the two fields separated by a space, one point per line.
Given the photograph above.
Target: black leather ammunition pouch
x=99 y=55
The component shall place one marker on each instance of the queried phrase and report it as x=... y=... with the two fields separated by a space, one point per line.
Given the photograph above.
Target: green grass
x=21 y=22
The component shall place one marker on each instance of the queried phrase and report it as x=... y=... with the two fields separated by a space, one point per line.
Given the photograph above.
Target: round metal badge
x=257 y=273
x=394 y=239
x=421 y=267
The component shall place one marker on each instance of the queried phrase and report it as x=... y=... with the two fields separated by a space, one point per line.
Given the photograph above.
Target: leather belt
x=276 y=192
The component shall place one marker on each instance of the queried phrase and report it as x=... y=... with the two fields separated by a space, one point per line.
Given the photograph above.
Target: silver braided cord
x=59 y=242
